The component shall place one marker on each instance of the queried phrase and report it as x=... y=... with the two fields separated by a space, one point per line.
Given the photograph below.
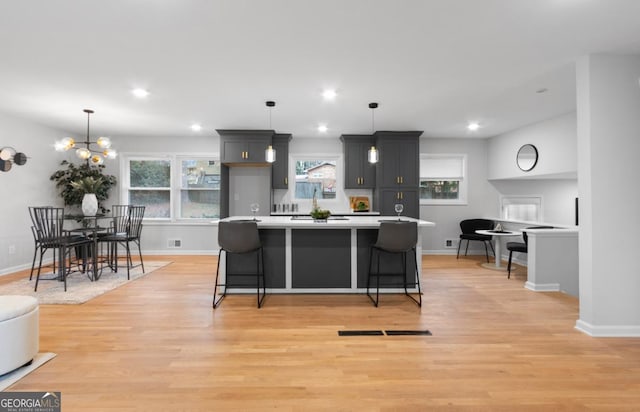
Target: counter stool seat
x=19 y=331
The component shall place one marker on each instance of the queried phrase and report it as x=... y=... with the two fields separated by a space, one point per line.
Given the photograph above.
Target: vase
x=89 y=204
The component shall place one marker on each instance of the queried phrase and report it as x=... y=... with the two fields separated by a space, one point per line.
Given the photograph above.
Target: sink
x=305 y=217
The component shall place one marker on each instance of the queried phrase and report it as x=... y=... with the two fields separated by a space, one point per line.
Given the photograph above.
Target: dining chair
x=125 y=228
x=399 y=238
x=48 y=223
x=522 y=247
x=468 y=228
x=240 y=238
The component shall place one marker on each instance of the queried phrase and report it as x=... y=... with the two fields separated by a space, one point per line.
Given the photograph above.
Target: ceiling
x=432 y=65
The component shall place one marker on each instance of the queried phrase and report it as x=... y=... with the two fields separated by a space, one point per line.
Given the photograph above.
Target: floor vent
x=407 y=332
x=381 y=333
x=360 y=333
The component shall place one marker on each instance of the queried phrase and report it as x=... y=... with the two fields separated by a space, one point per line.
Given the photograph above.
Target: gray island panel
x=321 y=258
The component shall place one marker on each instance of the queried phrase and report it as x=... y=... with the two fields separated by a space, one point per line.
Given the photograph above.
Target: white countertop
x=348 y=222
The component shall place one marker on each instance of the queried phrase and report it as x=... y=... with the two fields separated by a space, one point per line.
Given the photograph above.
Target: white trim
x=609 y=331
x=542 y=287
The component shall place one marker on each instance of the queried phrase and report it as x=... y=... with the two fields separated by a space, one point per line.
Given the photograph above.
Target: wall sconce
x=9 y=156
x=372 y=154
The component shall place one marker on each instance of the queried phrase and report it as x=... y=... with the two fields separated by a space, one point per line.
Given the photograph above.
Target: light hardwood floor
x=156 y=344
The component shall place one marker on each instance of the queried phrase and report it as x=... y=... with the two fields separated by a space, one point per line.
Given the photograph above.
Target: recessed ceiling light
x=140 y=93
x=473 y=126
x=329 y=94
x=323 y=128
x=196 y=127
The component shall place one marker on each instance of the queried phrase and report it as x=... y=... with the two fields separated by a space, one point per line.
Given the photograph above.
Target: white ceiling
x=432 y=65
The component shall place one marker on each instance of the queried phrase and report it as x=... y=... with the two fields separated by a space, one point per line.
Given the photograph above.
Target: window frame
x=462 y=199
x=175 y=189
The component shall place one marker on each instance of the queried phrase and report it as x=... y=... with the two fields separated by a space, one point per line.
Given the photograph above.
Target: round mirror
x=527 y=157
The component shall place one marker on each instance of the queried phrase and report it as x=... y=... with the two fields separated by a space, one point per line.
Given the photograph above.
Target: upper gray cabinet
x=399 y=159
x=280 y=168
x=244 y=146
x=358 y=172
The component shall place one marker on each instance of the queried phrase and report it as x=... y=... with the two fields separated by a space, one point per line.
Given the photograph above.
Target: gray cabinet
x=409 y=198
x=358 y=172
x=399 y=162
x=280 y=168
x=398 y=172
x=244 y=146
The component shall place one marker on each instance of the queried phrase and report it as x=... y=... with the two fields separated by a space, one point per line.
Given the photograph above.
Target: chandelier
x=94 y=157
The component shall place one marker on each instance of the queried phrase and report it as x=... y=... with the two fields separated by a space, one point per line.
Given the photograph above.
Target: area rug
x=79 y=288
x=10 y=378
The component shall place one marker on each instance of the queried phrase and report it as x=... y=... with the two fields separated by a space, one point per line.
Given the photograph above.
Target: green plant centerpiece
x=320 y=214
x=73 y=182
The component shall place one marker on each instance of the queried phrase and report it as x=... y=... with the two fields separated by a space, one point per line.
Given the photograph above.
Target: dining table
x=496 y=235
x=90 y=229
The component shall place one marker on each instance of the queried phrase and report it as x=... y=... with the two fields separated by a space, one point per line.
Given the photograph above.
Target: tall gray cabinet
x=358 y=172
x=398 y=172
x=280 y=168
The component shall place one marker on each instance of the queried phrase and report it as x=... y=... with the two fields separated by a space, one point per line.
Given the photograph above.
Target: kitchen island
x=306 y=256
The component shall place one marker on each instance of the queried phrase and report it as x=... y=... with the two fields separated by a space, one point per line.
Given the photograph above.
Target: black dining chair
x=125 y=229
x=522 y=247
x=241 y=238
x=469 y=227
x=400 y=238
x=48 y=223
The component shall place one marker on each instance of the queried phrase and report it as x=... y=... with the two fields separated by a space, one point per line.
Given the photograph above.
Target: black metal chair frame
x=48 y=231
x=521 y=247
x=379 y=248
x=125 y=227
x=472 y=236
x=222 y=232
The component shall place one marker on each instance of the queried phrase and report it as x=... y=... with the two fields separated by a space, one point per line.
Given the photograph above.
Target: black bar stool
x=395 y=238
x=239 y=238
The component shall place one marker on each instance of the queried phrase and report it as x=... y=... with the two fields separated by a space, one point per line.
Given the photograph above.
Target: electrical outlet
x=450 y=244
x=174 y=243
x=12 y=249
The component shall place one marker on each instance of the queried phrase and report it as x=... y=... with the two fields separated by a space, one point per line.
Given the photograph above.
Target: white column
x=608 y=113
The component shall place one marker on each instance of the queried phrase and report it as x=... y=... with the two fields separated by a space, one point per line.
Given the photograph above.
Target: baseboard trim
x=542 y=287
x=609 y=331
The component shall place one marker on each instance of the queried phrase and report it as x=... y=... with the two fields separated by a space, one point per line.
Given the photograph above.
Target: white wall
x=608 y=169
x=555 y=175
x=482 y=196
x=555 y=140
x=25 y=186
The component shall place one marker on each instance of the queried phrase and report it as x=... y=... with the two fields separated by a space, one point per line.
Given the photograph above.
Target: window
x=199 y=189
x=521 y=208
x=442 y=179
x=315 y=176
x=173 y=187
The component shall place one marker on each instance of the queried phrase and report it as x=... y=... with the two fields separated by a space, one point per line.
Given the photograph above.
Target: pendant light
x=372 y=154
x=270 y=152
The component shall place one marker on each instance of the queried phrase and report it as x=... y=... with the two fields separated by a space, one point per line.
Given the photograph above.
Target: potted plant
x=68 y=181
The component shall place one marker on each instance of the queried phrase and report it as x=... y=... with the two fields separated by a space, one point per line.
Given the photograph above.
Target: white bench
x=19 y=331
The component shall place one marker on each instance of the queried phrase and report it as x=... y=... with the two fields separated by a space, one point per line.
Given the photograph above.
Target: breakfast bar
x=303 y=255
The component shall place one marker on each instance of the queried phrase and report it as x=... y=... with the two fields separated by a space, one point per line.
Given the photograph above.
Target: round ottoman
x=19 y=331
